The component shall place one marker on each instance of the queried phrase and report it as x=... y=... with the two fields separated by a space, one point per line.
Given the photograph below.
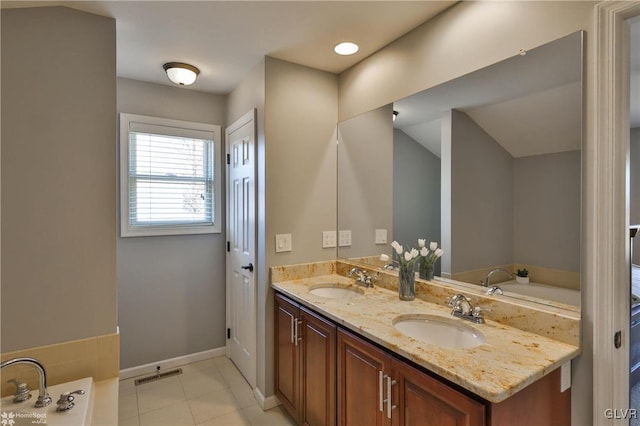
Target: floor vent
x=158 y=376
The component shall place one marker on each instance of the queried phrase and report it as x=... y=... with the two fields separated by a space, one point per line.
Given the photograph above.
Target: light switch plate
x=381 y=236
x=344 y=238
x=283 y=243
x=328 y=239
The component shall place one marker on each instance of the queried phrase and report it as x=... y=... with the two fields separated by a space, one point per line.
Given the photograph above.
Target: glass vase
x=425 y=271
x=406 y=282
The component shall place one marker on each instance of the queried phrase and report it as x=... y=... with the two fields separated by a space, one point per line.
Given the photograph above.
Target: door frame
x=244 y=119
x=607 y=216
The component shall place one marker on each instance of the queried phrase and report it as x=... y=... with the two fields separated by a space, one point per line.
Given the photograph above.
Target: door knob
x=248 y=267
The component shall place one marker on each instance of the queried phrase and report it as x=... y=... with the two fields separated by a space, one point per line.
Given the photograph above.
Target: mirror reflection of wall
x=488 y=164
x=365 y=189
x=416 y=191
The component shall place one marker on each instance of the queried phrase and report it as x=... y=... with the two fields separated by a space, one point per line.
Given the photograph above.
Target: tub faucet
x=43 y=399
x=486 y=283
x=494 y=289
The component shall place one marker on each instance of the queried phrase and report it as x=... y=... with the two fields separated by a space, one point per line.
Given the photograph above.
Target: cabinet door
x=541 y=403
x=287 y=356
x=423 y=400
x=318 y=370
x=361 y=367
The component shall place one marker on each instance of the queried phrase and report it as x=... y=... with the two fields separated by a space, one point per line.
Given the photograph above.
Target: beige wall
x=481 y=197
x=296 y=182
x=300 y=178
x=547 y=211
x=365 y=196
x=58 y=176
x=416 y=192
x=249 y=94
x=151 y=270
x=469 y=36
x=300 y=133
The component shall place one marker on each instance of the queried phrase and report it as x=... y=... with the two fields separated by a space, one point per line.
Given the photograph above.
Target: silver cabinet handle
x=293 y=332
x=381 y=389
x=390 y=407
x=296 y=333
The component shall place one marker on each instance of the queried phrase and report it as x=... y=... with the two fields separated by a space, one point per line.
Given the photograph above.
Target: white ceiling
x=530 y=104
x=226 y=39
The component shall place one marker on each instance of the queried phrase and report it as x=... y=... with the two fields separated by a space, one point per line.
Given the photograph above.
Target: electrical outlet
x=381 y=236
x=283 y=243
x=344 y=238
x=328 y=239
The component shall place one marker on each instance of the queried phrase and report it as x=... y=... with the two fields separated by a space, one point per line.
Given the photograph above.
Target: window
x=169 y=177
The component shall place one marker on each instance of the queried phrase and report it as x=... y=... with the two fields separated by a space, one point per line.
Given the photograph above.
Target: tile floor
x=210 y=392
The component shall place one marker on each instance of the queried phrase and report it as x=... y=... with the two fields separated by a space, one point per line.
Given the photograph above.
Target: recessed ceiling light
x=346 y=48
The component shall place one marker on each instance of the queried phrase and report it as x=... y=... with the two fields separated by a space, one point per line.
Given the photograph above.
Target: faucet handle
x=370 y=278
x=22 y=391
x=65 y=402
x=477 y=314
x=494 y=290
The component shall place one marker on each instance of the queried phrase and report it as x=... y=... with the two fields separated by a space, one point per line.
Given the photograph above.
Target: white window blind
x=171 y=179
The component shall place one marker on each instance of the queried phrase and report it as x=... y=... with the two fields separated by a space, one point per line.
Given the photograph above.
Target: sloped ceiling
x=530 y=104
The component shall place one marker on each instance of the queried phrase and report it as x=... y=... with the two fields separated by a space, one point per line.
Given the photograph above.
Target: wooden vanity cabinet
x=325 y=375
x=305 y=356
x=361 y=382
x=367 y=377
x=287 y=356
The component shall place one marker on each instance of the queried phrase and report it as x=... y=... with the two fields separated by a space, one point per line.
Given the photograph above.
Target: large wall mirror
x=488 y=165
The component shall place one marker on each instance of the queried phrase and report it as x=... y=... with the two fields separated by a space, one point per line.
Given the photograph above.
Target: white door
x=241 y=243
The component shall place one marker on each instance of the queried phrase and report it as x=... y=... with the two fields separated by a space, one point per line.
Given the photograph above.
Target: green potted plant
x=522 y=276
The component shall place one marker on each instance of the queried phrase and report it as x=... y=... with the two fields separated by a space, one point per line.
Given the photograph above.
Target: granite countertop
x=509 y=360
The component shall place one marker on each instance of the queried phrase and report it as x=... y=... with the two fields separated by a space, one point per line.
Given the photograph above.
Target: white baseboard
x=265 y=403
x=127 y=373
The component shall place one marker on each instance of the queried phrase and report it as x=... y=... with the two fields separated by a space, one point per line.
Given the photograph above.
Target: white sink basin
x=336 y=291
x=440 y=331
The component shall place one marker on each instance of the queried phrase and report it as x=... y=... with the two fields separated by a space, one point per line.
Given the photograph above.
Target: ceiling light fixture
x=180 y=73
x=346 y=48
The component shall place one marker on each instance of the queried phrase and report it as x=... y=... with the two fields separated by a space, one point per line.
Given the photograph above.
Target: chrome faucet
x=43 y=399
x=494 y=289
x=462 y=309
x=362 y=277
x=486 y=282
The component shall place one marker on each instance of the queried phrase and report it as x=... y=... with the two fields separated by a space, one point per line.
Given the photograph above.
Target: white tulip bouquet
x=406 y=277
x=428 y=258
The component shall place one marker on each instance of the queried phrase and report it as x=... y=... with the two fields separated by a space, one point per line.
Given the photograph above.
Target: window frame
x=126 y=229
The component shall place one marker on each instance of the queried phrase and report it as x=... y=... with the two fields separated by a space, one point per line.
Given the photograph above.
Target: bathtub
x=542 y=291
x=25 y=413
